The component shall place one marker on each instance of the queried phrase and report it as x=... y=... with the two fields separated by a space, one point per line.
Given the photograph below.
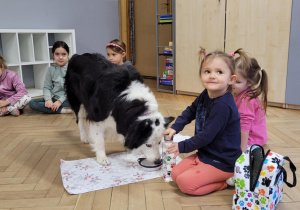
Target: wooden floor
x=32 y=145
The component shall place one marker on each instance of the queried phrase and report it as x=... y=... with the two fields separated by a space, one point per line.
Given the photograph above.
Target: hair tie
x=232 y=54
x=115 y=45
x=205 y=54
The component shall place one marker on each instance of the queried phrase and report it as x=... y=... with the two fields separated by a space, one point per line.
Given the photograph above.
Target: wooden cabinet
x=198 y=23
x=145 y=39
x=29 y=53
x=262 y=28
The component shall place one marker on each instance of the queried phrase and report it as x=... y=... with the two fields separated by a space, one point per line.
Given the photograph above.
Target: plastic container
x=168 y=162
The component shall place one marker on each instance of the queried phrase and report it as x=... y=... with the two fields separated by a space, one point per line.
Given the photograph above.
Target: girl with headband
x=116 y=53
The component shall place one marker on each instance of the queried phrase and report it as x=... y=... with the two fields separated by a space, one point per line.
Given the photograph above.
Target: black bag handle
x=293 y=169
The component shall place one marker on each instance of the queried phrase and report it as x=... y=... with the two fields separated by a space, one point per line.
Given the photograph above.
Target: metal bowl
x=149 y=166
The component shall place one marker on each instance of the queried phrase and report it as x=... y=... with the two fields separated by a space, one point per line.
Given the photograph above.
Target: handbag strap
x=293 y=169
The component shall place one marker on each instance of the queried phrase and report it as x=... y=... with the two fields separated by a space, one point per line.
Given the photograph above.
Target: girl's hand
x=56 y=105
x=3 y=111
x=173 y=148
x=4 y=103
x=49 y=104
x=170 y=132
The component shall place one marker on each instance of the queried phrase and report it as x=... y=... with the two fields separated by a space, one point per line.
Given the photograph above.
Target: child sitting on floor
x=13 y=94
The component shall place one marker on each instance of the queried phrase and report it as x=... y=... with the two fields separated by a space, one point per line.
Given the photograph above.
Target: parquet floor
x=32 y=145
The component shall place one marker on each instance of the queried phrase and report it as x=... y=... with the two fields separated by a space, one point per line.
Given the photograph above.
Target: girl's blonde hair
x=2 y=62
x=228 y=59
x=249 y=68
x=117 y=46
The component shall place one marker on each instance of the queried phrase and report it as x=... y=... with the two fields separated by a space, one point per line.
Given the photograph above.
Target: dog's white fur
x=97 y=130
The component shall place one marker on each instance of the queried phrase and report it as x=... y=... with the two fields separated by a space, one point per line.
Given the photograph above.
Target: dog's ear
x=138 y=134
x=168 y=120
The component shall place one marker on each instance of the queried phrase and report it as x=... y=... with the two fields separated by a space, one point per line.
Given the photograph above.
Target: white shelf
x=29 y=53
x=33 y=92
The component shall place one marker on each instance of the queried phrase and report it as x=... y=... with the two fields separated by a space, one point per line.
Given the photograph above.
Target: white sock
x=66 y=110
x=231 y=181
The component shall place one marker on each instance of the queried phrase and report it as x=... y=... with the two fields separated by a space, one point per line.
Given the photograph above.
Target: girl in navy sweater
x=217 y=136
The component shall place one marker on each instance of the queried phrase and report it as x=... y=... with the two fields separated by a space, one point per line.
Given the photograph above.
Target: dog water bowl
x=149 y=166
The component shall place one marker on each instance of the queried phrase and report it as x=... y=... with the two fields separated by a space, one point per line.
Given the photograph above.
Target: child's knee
x=33 y=104
x=185 y=185
x=175 y=172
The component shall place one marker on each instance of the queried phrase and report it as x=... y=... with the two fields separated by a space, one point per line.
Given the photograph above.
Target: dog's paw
x=103 y=161
x=84 y=139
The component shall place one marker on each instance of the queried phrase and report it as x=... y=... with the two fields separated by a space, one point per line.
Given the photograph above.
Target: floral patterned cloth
x=86 y=175
x=81 y=176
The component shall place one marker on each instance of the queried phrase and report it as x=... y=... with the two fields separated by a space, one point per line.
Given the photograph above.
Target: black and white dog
x=111 y=97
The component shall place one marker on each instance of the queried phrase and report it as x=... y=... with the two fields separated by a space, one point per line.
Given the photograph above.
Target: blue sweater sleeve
x=215 y=123
x=187 y=116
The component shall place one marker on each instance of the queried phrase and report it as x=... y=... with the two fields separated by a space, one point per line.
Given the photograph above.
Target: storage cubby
x=40 y=47
x=10 y=48
x=63 y=37
x=16 y=69
x=29 y=53
x=28 y=76
x=26 y=48
x=39 y=72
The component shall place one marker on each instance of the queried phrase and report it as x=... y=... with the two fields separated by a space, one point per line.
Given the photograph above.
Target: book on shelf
x=165 y=81
x=165 y=19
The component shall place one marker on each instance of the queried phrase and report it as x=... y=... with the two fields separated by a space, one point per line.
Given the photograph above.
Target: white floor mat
x=86 y=175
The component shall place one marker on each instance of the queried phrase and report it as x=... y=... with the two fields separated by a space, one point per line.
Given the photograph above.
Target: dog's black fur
x=97 y=80
x=102 y=88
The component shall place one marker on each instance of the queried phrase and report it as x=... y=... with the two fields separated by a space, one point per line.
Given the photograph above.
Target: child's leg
x=202 y=179
x=184 y=165
x=66 y=108
x=20 y=103
x=39 y=105
x=66 y=104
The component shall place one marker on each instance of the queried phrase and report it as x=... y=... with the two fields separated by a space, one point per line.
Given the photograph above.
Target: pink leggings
x=197 y=178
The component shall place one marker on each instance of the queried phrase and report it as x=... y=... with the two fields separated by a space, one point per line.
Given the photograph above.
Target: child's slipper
x=15 y=112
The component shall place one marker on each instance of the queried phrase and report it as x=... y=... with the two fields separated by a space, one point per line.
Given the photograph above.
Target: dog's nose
x=157 y=161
